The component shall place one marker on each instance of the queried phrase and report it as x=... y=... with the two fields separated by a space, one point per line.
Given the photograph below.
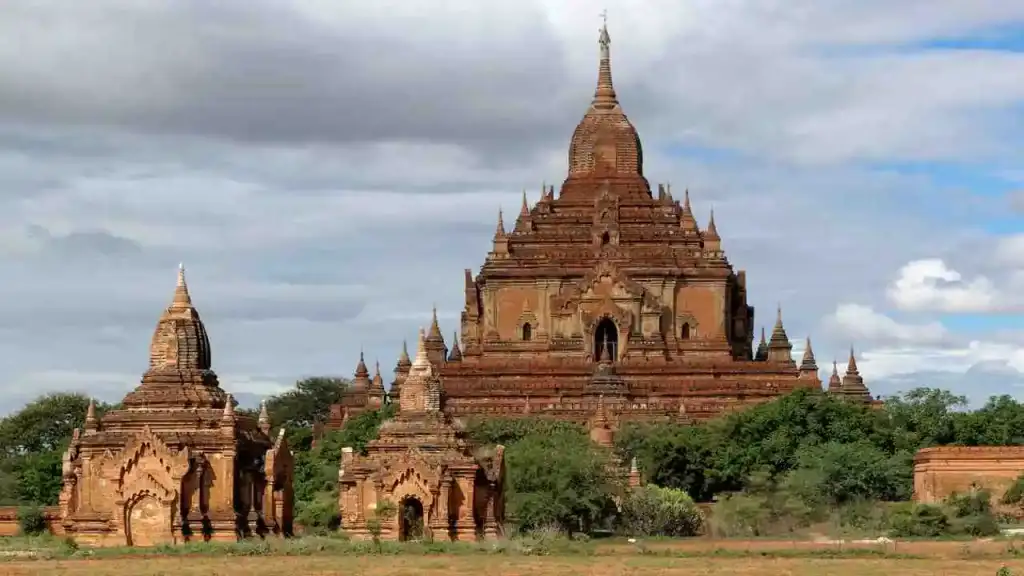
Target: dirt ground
x=505 y=566
x=982 y=558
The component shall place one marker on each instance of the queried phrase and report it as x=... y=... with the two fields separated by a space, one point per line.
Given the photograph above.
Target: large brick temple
x=607 y=290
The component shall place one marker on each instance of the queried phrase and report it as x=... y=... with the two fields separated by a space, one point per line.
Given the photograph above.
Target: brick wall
x=9 y=520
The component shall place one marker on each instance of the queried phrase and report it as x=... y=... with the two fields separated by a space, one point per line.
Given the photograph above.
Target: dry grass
x=696 y=557
x=495 y=566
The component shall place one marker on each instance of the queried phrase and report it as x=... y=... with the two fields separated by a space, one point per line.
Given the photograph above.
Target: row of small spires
x=664 y=193
x=263 y=419
x=851 y=383
x=433 y=339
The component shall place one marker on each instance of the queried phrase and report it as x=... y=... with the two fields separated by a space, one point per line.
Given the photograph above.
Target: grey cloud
x=1016 y=200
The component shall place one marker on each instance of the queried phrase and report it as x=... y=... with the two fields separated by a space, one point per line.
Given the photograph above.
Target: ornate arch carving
x=526 y=317
x=686 y=319
x=623 y=320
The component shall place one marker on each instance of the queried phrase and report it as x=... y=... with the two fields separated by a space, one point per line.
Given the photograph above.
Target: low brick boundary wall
x=9 y=520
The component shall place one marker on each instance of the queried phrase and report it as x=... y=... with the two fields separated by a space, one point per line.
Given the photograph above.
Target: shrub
x=32 y=520
x=656 y=511
x=972 y=513
x=918 y=521
x=320 y=515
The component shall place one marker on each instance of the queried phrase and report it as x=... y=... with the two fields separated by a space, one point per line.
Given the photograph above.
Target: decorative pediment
x=148 y=446
x=603 y=280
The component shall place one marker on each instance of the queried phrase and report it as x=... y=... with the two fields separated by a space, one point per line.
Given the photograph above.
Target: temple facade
x=441 y=487
x=609 y=288
x=176 y=463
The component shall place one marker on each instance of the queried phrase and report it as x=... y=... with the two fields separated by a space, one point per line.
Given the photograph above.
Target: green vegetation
x=800 y=461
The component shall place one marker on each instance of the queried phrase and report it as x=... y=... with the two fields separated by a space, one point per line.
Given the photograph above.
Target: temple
x=176 y=462
x=441 y=486
x=610 y=289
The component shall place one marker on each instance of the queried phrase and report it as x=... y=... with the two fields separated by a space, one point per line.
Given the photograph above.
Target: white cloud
x=326 y=170
x=930 y=285
x=862 y=323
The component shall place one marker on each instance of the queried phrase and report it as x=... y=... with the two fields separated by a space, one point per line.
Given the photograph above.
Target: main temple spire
x=604 y=95
x=182 y=299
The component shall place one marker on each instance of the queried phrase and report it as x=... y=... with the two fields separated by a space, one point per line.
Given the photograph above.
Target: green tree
x=308 y=404
x=670 y=455
x=316 y=470
x=44 y=424
x=834 y=474
x=923 y=417
x=558 y=478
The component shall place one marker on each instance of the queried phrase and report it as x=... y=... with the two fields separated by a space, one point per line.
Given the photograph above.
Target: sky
x=326 y=170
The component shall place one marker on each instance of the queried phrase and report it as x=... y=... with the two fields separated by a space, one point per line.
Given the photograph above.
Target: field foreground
x=531 y=566
x=698 y=557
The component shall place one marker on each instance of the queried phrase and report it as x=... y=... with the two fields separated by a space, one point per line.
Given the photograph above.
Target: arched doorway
x=606 y=341
x=148 y=522
x=685 y=333
x=410 y=523
x=527 y=331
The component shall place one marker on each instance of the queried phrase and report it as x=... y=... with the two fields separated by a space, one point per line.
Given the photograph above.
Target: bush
x=656 y=511
x=912 y=520
x=32 y=521
x=320 y=515
x=972 y=513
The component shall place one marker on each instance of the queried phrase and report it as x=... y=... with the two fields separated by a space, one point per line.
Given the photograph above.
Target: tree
x=309 y=403
x=31 y=443
x=924 y=417
x=670 y=455
x=316 y=470
x=834 y=474
x=558 y=479
x=44 y=424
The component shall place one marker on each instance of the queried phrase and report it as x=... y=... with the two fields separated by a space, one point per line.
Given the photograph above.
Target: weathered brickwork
x=176 y=463
x=443 y=487
x=943 y=470
x=609 y=288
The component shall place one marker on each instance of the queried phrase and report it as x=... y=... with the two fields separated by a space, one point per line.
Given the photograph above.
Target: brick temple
x=607 y=289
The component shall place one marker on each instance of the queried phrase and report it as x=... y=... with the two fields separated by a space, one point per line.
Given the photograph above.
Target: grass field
x=699 y=557
x=494 y=566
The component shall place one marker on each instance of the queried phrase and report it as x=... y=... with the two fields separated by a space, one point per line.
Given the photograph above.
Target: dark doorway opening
x=411 y=521
x=606 y=341
x=686 y=331
x=527 y=331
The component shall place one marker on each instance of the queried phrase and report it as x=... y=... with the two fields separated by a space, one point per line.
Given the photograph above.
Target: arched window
x=527 y=331
x=685 y=332
x=606 y=341
x=605 y=239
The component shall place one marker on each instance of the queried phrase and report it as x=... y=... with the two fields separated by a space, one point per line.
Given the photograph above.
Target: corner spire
x=779 y=331
x=500 y=231
x=435 y=329
x=604 y=96
x=403 y=357
x=421 y=359
x=808 y=363
x=712 y=232
x=762 y=348
x=455 y=354
x=263 y=421
x=835 y=384
x=525 y=209
x=851 y=366
x=91 y=423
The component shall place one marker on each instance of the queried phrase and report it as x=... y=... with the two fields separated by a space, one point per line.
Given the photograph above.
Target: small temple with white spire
x=176 y=463
x=608 y=289
x=443 y=487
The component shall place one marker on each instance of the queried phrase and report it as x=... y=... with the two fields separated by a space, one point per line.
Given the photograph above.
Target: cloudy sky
x=325 y=170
